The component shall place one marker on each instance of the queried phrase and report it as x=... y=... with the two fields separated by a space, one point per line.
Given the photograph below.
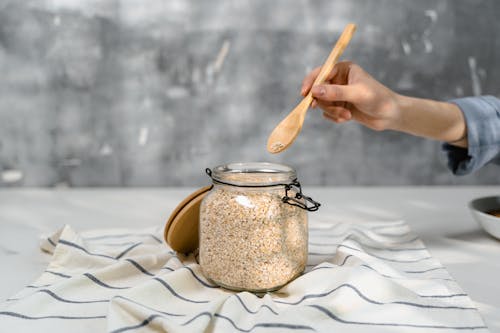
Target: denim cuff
x=482 y=117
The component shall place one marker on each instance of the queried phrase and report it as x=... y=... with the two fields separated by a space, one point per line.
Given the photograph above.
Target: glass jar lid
x=254 y=174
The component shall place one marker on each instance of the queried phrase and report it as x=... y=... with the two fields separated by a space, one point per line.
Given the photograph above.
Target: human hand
x=351 y=93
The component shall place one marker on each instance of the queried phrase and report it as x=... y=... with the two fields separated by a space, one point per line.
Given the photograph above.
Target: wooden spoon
x=285 y=133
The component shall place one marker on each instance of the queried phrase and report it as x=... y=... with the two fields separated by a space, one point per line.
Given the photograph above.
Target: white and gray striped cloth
x=375 y=277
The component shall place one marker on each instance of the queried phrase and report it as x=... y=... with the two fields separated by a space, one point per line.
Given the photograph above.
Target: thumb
x=335 y=93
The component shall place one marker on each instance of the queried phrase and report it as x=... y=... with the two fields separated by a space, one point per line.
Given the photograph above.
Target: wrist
x=399 y=105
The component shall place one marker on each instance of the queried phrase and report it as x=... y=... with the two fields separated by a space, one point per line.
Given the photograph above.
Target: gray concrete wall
x=149 y=93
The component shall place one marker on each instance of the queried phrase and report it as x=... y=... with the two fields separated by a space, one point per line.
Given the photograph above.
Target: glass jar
x=253 y=227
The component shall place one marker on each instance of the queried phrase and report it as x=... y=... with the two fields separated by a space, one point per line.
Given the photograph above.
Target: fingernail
x=319 y=91
x=314 y=104
x=302 y=91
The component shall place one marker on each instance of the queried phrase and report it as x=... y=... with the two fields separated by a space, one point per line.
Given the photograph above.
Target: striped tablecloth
x=361 y=277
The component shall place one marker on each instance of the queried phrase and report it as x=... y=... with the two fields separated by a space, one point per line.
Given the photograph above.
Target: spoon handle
x=337 y=51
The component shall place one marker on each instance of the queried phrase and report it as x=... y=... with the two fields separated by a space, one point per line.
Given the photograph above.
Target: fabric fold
x=360 y=276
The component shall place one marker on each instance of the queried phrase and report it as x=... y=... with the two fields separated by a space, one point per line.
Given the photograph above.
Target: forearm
x=431 y=119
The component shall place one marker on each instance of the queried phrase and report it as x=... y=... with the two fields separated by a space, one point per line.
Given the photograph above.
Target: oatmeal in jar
x=251 y=238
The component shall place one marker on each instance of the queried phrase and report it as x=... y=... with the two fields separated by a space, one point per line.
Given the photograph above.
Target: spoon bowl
x=289 y=128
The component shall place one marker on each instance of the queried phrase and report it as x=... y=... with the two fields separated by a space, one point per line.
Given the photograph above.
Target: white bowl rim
x=483 y=213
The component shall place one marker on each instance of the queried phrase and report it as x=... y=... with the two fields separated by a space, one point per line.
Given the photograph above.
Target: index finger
x=309 y=80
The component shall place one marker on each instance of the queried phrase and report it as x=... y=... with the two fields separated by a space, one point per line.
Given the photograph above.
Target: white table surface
x=439 y=215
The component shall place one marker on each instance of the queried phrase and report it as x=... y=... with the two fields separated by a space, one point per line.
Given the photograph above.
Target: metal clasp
x=299 y=200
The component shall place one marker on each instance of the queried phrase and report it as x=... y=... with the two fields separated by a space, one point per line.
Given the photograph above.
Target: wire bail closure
x=299 y=199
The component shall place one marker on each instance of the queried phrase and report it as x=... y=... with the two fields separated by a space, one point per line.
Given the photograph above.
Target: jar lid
x=181 y=229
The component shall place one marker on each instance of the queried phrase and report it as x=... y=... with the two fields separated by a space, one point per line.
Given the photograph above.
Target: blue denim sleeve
x=482 y=116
